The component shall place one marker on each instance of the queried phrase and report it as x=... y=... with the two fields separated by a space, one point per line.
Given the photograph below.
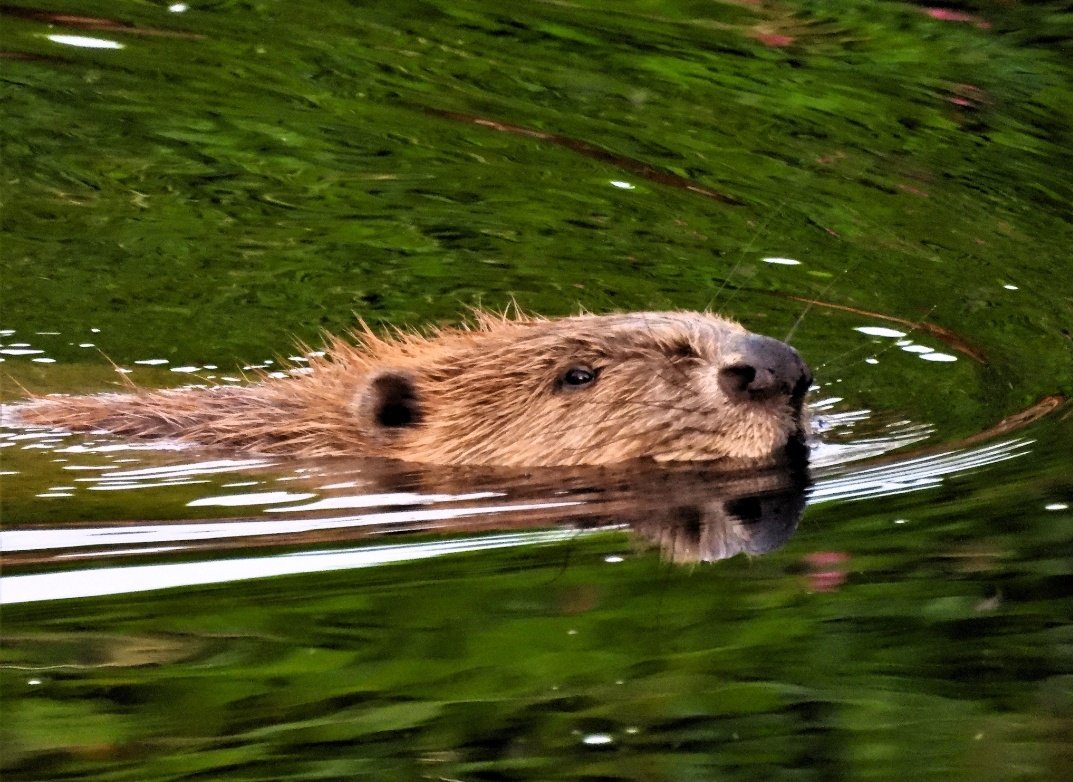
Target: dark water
x=209 y=184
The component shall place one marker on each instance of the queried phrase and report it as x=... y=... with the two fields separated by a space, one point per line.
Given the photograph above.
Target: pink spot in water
x=834 y=157
x=826 y=581
x=967 y=96
x=774 y=40
x=951 y=15
x=912 y=190
x=826 y=570
x=821 y=558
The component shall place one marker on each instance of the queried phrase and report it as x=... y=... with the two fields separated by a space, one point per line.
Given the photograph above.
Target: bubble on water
x=938 y=357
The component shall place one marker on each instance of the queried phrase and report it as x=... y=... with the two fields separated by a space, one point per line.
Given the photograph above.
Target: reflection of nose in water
x=750 y=517
x=691 y=513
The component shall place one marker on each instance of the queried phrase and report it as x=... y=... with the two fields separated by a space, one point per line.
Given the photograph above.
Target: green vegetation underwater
x=198 y=192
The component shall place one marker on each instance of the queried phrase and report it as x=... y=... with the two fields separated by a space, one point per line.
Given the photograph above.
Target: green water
x=232 y=177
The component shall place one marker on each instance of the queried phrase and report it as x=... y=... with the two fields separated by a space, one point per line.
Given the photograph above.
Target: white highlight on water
x=85 y=42
x=253 y=498
x=879 y=331
x=38 y=587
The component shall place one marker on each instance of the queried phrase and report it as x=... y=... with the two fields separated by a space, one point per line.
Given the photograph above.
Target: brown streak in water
x=1011 y=423
x=582 y=147
x=1018 y=420
x=91 y=23
x=951 y=338
x=29 y=57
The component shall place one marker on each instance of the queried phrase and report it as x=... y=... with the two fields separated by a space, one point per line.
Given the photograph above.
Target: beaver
x=510 y=390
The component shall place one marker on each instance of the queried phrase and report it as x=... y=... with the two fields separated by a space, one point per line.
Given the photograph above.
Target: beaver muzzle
x=760 y=368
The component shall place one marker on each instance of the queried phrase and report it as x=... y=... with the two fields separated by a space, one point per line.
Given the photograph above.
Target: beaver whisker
x=742 y=255
x=917 y=326
x=823 y=292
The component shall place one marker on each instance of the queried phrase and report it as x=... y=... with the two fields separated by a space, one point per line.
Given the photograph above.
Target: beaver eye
x=578 y=376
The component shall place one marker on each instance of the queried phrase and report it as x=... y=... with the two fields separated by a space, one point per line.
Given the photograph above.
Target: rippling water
x=193 y=190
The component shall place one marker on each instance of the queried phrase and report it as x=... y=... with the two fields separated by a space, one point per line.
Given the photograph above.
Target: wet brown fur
x=487 y=393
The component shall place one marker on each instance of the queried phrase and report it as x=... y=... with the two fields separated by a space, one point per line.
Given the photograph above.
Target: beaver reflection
x=705 y=516
x=691 y=513
x=725 y=523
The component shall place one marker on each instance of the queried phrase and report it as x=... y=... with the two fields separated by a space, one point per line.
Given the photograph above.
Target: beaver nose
x=763 y=368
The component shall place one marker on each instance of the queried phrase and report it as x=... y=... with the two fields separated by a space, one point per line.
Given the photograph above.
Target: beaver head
x=670 y=386
x=523 y=391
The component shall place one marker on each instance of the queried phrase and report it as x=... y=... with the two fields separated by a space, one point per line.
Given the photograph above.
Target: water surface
x=192 y=190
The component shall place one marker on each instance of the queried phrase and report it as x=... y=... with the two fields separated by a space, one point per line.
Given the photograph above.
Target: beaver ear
x=389 y=400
